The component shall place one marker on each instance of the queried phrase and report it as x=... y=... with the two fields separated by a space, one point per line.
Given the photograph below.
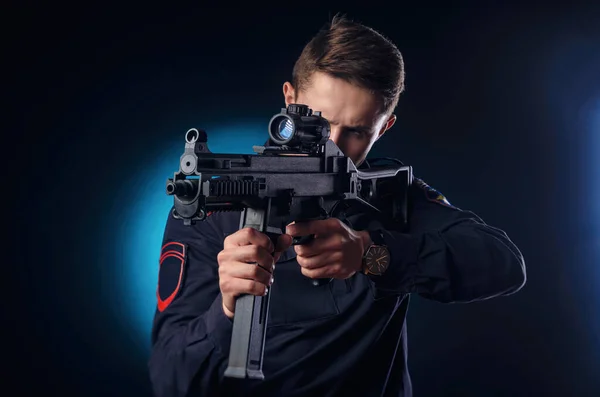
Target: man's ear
x=388 y=124
x=289 y=93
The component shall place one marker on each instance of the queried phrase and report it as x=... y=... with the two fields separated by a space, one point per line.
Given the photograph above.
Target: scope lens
x=286 y=129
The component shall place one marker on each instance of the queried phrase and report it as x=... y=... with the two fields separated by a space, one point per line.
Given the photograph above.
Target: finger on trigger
x=303 y=228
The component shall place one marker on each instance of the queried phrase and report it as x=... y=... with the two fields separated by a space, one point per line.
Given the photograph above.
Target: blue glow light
x=144 y=223
x=595 y=172
x=590 y=114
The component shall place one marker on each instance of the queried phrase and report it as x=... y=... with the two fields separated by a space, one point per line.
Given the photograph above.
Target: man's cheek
x=357 y=153
x=340 y=143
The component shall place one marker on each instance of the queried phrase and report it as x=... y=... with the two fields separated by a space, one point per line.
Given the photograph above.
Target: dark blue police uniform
x=343 y=338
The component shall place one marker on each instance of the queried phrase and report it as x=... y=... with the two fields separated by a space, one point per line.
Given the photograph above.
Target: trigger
x=303 y=239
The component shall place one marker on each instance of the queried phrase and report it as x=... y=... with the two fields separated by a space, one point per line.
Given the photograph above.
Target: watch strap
x=376 y=237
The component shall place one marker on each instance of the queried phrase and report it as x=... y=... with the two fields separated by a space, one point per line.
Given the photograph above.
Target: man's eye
x=354 y=132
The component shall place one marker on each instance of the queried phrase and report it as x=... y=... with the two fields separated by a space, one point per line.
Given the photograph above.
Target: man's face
x=354 y=113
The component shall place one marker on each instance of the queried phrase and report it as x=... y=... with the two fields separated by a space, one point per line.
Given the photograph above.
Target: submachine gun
x=298 y=175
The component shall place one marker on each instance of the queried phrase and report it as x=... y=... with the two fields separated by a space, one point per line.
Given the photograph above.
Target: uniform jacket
x=342 y=338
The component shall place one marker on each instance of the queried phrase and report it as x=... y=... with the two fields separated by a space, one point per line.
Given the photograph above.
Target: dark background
x=501 y=113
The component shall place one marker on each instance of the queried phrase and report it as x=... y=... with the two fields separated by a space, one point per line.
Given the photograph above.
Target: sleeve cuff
x=404 y=254
x=218 y=326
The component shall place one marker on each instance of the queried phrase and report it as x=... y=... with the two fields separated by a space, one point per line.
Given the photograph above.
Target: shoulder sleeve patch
x=170 y=275
x=433 y=195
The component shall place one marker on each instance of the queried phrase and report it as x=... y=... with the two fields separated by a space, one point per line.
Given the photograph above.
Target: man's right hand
x=246 y=265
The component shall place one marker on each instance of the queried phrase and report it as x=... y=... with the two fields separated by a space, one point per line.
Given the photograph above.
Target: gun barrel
x=182 y=188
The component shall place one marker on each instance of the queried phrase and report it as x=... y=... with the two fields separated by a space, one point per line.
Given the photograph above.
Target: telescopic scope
x=298 y=126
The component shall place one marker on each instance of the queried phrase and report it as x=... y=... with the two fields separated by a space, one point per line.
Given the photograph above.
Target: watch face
x=377 y=259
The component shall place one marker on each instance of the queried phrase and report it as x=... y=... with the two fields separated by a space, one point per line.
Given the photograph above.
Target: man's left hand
x=335 y=252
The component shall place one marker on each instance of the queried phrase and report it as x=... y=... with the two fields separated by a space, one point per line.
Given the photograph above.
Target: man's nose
x=335 y=135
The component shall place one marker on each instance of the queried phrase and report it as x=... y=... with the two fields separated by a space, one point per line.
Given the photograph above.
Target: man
x=348 y=336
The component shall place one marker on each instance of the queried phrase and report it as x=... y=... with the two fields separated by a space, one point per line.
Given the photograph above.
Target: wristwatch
x=377 y=257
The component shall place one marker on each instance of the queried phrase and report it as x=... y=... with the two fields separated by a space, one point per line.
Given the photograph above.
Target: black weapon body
x=299 y=175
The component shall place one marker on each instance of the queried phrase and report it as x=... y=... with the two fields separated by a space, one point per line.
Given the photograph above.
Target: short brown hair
x=357 y=54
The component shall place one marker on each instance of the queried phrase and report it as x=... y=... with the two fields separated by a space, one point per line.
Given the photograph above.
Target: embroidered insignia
x=433 y=195
x=170 y=277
